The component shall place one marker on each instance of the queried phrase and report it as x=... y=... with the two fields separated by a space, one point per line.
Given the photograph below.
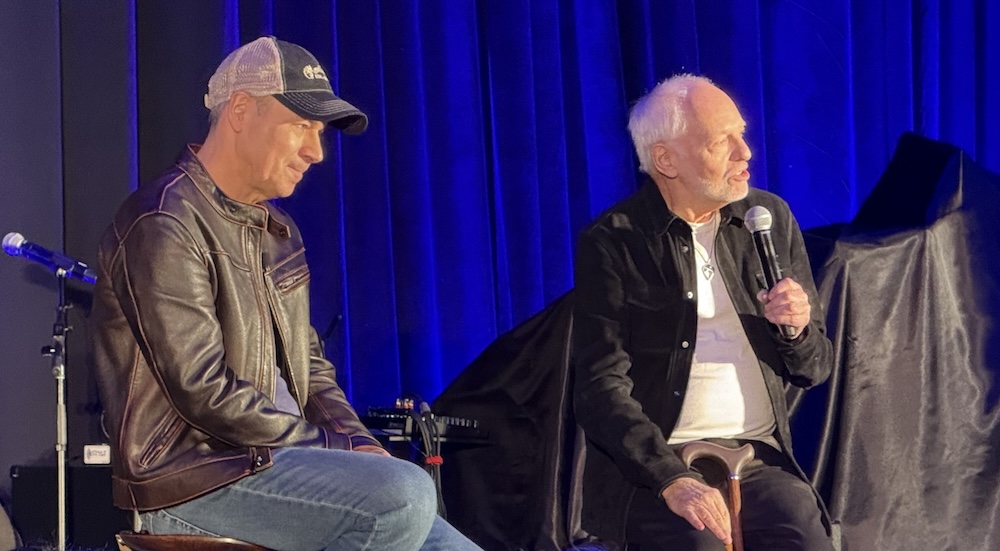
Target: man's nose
x=742 y=152
x=312 y=147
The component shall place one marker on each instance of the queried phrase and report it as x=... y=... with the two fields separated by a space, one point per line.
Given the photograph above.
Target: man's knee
x=785 y=516
x=793 y=502
x=410 y=484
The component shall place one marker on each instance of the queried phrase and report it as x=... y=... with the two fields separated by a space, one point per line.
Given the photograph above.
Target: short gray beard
x=723 y=191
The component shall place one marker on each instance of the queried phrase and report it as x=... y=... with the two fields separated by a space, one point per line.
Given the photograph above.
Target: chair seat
x=131 y=541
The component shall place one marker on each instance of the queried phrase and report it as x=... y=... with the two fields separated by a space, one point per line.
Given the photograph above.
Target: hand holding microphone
x=786 y=304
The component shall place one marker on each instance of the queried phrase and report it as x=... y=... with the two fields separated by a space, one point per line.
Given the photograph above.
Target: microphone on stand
x=15 y=244
x=758 y=220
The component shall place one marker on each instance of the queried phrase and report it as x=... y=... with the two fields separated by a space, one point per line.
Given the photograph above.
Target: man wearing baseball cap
x=225 y=417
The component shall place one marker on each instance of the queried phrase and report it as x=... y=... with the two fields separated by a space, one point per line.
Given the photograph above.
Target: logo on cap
x=314 y=71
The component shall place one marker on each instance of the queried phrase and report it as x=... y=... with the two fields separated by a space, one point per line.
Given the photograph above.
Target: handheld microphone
x=758 y=220
x=15 y=244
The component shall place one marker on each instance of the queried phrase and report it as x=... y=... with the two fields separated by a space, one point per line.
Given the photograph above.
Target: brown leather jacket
x=199 y=298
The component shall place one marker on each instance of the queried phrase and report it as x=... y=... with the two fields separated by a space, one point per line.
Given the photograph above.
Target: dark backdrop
x=497 y=131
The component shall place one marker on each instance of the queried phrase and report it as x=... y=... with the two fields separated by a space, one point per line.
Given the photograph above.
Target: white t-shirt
x=726 y=395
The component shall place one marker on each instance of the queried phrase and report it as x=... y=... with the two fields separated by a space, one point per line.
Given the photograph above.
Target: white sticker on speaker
x=97 y=454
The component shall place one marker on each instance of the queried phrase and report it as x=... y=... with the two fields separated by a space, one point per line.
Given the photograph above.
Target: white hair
x=661 y=115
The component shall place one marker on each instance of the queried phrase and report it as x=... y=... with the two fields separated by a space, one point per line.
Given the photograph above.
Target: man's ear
x=238 y=110
x=663 y=157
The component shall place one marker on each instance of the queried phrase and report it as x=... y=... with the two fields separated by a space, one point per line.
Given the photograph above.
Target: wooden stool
x=131 y=541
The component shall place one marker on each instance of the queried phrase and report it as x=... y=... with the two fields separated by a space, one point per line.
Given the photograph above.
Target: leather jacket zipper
x=279 y=333
x=164 y=435
x=292 y=280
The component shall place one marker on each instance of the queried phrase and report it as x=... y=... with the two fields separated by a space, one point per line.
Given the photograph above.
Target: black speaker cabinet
x=92 y=520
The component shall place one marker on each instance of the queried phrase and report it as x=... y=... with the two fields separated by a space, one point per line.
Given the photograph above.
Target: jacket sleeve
x=326 y=405
x=808 y=359
x=168 y=299
x=604 y=406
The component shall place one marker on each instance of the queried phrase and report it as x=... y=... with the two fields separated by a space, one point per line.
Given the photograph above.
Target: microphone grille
x=12 y=243
x=757 y=219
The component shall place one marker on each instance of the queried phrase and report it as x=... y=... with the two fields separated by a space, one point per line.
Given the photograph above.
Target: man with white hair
x=225 y=418
x=675 y=339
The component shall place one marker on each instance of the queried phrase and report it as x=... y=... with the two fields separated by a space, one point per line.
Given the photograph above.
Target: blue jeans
x=313 y=499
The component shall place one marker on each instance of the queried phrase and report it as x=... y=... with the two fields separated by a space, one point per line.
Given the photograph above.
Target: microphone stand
x=57 y=351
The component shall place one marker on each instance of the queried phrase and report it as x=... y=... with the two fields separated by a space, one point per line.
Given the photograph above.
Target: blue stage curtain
x=498 y=131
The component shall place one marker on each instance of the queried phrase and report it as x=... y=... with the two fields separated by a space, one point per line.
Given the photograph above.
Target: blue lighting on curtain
x=231 y=25
x=498 y=130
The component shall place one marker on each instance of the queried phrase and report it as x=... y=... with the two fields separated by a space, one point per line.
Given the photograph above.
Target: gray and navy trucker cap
x=271 y=67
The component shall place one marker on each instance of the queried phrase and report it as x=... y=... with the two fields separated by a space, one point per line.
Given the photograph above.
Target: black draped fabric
x=912 y=295
x=519 y=491
x=522 y=490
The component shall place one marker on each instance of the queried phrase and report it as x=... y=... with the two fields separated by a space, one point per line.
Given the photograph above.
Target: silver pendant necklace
x=707 y=269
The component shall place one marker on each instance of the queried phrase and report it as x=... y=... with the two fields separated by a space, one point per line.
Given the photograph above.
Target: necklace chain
x=708 y=269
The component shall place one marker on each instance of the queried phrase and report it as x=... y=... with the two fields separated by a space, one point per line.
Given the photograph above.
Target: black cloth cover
x=911 y=457
x=519 y=491
x=522 y=490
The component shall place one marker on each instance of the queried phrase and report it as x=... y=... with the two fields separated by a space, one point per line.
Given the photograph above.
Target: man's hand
x=701 y=505
x=786 y=304
x=370 y=448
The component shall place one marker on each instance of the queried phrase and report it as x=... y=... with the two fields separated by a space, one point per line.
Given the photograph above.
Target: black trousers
x=780 y=512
